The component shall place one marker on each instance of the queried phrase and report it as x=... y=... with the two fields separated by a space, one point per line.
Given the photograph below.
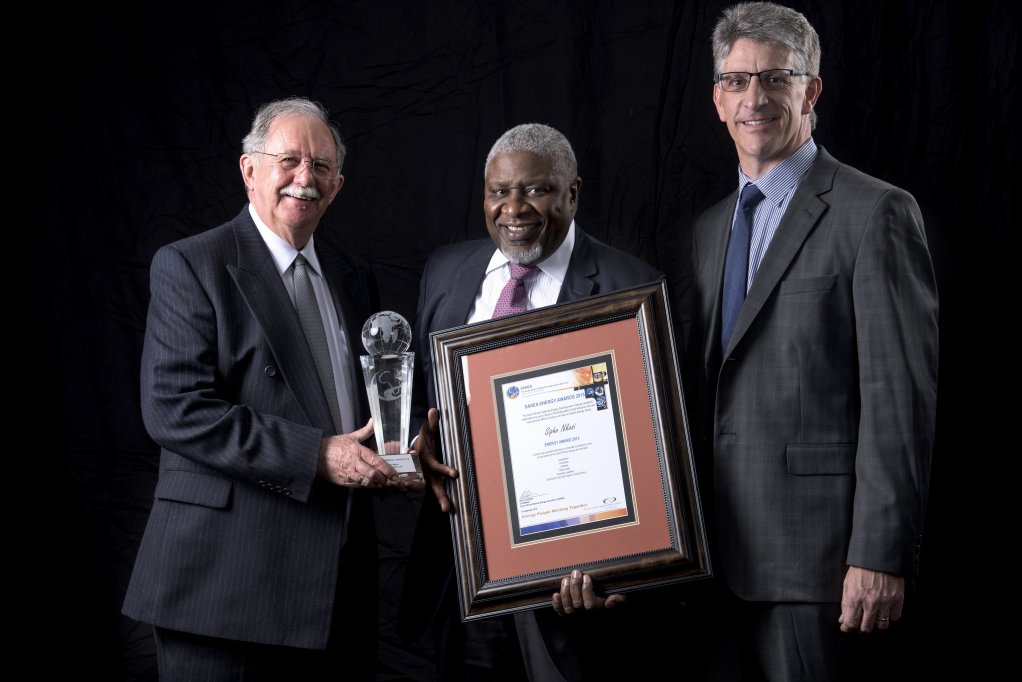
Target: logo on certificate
x=512 y=392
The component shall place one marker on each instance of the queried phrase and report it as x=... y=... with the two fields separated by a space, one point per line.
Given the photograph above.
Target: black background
x=144 y=108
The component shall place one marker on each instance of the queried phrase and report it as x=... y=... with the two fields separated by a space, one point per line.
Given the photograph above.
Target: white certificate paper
x=565 y=463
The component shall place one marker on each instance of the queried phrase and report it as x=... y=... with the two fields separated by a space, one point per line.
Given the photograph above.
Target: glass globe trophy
x=387 y=369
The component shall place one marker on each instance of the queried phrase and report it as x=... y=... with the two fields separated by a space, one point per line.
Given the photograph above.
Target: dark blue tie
x=736 y=267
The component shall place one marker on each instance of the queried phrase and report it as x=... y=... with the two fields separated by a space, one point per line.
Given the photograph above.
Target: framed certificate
x=569 y=429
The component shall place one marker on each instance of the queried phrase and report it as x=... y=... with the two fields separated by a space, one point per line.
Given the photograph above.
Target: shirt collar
x=776 y=184
x=282 y=252
x=555 y=265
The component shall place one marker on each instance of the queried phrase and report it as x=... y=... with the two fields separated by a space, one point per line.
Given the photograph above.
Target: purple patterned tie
x=513 y=297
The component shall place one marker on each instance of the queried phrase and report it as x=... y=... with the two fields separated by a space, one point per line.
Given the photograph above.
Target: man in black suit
x=531 y=193
x=259 y=557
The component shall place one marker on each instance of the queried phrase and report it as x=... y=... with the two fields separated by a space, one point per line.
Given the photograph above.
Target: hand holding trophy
x=388 y=368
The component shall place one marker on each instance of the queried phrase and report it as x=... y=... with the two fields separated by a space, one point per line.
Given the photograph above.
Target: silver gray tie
x=312 y=326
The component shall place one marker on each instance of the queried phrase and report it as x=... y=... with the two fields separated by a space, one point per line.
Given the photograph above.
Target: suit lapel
x=461 y=299
x=259 y=282
x=580 y=277
x=711 y=265
x=802 y=215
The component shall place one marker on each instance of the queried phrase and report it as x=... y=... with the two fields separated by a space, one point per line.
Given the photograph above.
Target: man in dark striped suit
x=259 y=558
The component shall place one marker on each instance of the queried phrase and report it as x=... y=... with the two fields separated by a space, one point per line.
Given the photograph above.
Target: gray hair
x=543 y=141
x=255 y=141
x=769 y=24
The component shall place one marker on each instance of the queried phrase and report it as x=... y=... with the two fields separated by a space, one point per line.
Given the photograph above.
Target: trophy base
x=407 y=465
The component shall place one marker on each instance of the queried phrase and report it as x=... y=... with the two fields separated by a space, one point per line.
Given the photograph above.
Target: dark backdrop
x=145 y=107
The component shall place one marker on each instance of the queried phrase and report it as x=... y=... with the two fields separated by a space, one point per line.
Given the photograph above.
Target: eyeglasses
x=771 y=79
x=290 y=161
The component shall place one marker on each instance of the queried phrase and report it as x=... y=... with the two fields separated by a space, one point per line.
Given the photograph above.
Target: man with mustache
x=259 y=557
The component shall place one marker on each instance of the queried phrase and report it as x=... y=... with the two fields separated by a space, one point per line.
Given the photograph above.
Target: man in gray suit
x=530 y=195
x=816 y=375
x=259 y=557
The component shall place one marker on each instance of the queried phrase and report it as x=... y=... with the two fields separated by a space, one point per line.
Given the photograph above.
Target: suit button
x=288 y=491
x=270 y=371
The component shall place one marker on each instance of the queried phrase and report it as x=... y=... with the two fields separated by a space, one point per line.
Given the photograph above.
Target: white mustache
x=300 y=192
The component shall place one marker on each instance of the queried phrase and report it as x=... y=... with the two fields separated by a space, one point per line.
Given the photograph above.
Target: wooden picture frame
x=569 y=430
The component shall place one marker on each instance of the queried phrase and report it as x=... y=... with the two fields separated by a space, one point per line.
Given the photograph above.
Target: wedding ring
x=882 y=620
x=361 y=480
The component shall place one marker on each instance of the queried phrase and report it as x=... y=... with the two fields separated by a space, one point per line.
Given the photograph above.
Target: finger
x=406 y=483
x=849 y=619
x=409 y=483
x=589 y=597
x=362 y=474
x=427 y=448
x=361 y=434
x=441 y=470
x=386 y=470
x=428 y=457
x=883 y=622
x=577 y=596
x=367 y=468
x=433 y=419
x=615 y=600
x=870 y=610
x=435 y=467
x=558 y=607
x=566 y=600
x=439 y=489
x=426 y=435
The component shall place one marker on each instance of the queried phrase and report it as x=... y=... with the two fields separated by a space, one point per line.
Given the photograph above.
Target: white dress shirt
x=543 y=286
